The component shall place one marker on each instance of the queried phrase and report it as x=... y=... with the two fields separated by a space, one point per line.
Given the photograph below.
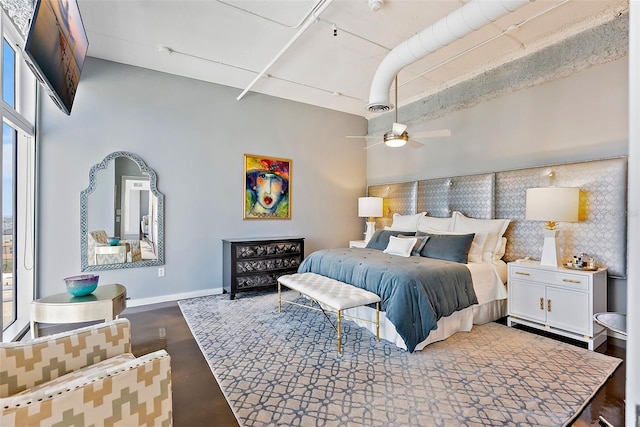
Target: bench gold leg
x=338 y=331
x=377 y=321
x=338 y=313
x=279 y=298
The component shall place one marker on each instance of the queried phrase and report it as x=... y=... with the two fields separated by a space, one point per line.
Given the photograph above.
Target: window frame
x=21 y=119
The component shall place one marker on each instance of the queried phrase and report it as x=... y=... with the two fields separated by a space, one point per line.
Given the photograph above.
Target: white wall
x=194 y=135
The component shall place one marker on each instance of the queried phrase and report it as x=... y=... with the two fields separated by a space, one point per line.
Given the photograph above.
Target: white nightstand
x=558 y=300
x=357 y=244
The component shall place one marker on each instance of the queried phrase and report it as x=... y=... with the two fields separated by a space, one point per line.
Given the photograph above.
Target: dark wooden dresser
x=256 y=263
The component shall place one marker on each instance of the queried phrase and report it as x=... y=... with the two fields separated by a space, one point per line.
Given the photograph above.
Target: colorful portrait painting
x=267 y=186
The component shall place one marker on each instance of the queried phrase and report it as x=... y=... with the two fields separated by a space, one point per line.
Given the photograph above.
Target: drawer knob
x=541 y=303
x=522 y=273
x=549 y=305
x=571 y=280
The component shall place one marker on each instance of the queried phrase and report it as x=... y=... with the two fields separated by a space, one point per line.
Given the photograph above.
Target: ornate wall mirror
x=121 y=215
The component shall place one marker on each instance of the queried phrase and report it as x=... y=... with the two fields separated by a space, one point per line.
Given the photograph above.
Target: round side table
x=105 y=303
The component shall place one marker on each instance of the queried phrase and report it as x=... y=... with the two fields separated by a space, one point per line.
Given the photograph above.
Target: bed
x=469 y=204
x=434 y=278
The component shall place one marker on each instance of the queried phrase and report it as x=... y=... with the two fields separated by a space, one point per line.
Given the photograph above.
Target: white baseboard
x=172 y=297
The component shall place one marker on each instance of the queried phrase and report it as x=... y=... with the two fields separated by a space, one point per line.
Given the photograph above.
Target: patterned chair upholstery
x=130 y=248
x=87 y=376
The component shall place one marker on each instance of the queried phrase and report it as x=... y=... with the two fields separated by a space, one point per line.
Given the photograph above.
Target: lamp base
x=371 y=228
x=550 y=251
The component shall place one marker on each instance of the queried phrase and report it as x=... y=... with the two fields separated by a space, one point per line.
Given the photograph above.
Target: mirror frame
x=84 y=195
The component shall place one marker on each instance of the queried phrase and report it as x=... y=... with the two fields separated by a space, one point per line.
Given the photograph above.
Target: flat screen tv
x=55 y=49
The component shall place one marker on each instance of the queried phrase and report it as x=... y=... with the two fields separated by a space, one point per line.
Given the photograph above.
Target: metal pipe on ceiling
x=247 y=11
x=459 y=23
x=310 y=20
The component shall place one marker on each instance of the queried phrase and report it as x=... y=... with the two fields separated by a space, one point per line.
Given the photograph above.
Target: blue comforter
x=415 y=291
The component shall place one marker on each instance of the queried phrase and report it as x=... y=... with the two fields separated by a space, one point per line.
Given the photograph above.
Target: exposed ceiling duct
x=457 y=24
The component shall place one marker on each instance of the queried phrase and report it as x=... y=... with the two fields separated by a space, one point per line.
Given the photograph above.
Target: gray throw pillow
x=449 y=247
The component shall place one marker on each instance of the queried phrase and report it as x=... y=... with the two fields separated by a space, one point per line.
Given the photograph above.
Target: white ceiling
x=230 y=42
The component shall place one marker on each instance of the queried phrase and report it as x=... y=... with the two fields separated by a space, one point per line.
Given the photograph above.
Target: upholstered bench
x=330 y=296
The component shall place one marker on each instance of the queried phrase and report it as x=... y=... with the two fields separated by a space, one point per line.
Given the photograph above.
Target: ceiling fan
x=398 y=136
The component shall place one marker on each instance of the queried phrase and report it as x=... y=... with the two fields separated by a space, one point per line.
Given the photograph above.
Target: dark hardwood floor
x=198 y=400
x=609 y=401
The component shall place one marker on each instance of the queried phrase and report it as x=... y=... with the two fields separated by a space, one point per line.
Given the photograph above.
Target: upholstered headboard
x=471 y=195
x=399 y=198
x=600 y=232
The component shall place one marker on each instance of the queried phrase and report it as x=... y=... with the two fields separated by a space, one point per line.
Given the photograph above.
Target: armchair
x=87 y=376
x=99 y=251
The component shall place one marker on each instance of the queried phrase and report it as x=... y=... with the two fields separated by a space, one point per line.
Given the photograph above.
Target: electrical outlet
x=161 y=272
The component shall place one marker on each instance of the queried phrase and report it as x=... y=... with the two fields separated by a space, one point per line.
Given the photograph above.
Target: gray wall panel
x=398 y=198
x=472 y=195
x=601 y=230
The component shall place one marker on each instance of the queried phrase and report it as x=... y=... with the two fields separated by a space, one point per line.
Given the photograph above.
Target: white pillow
x=477 y=245
x=494 y=228
x=418 y=246
x=434 y=223
x=400 y=246
x=500 y=250
x=406 y=222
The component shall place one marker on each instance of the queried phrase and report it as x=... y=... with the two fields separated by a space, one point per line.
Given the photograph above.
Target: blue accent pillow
x=449 y=247
x=380 y=239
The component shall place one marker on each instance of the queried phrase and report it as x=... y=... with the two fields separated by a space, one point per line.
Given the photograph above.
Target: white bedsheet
x=488 y=280
x=488 y=284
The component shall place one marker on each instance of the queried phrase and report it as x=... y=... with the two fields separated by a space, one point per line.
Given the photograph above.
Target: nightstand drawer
x=552 y=277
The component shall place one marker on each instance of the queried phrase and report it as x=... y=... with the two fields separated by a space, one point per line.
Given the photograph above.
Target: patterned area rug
x=282 y=369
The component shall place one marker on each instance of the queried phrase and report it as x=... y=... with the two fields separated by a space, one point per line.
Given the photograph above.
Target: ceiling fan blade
x=398 y=128
x=367 y=137
x=414 y=144
x=373 y=145
x=431 y=133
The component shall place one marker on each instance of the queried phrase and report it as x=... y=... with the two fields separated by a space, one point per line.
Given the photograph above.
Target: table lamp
x=369 y=207
x=552 y=205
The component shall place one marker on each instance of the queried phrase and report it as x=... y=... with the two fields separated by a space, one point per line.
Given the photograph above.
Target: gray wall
x=580 y=117
x=194 y=135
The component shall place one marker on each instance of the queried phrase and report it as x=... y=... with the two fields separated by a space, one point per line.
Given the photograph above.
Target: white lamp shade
x=557 y=204
x=370 y=206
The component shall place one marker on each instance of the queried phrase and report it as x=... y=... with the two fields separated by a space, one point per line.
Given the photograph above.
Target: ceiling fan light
x=393 y=140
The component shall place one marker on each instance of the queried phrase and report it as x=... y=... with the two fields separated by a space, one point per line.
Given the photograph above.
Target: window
x=8 y=290
x=8 y=73
x=17 y=192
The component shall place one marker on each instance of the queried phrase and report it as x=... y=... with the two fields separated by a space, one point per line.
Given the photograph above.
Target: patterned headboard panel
x=397 y=198
x=472 y=195
x=601 y=231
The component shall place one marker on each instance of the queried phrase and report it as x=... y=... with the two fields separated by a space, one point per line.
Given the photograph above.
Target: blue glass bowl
x=113 y=240
x=82 y=285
